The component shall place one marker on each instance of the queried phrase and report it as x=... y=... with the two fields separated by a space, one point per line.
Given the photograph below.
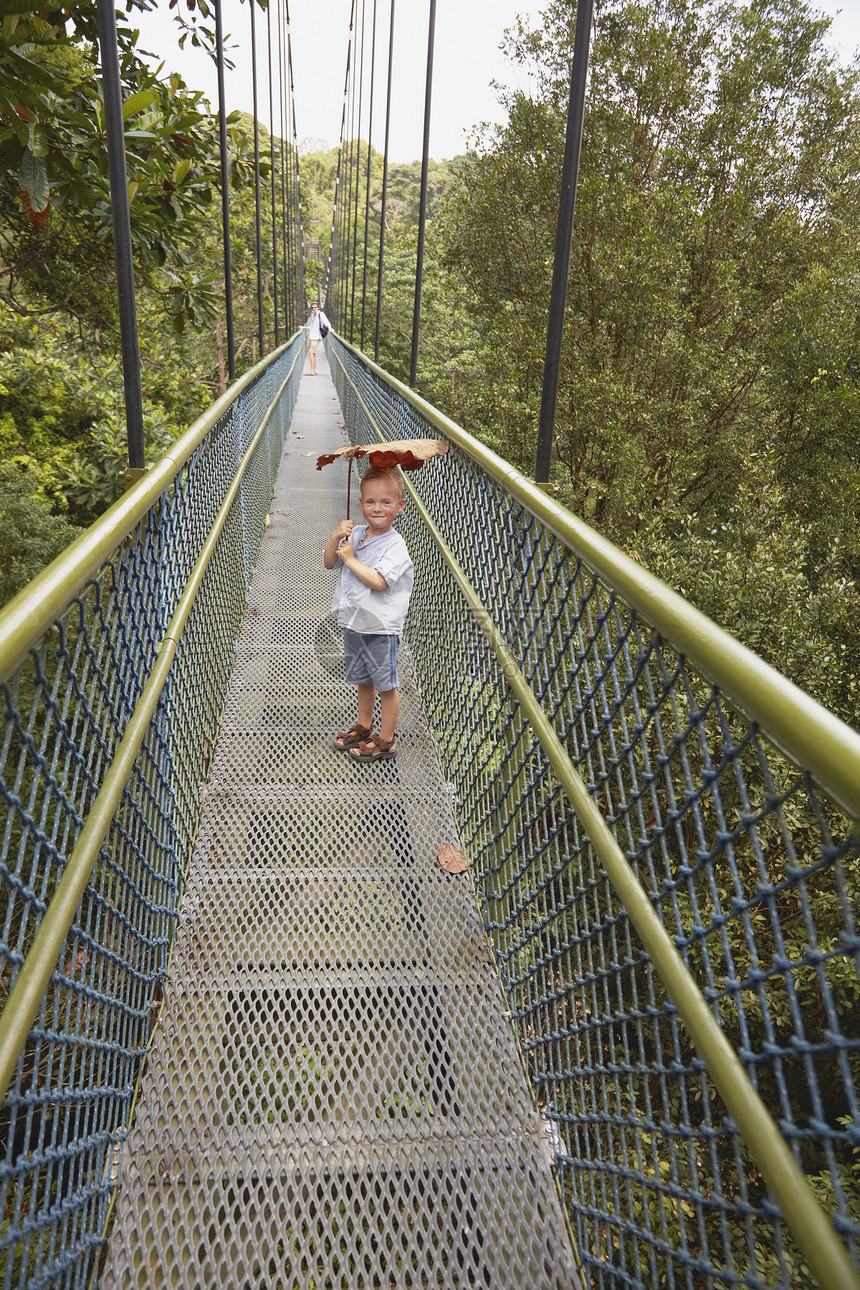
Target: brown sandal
x=373 y=749
x=352 y=737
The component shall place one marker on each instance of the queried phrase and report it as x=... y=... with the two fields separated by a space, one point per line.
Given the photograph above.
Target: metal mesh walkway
x=334 y=1097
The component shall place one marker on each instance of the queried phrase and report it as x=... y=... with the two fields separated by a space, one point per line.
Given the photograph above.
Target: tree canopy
x=708 y=402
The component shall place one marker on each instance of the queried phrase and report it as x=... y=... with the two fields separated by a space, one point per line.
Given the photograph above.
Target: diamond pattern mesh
x=334 y=1096
x=752 y=869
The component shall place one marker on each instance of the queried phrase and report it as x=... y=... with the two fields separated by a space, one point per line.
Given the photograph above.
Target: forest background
x=710 y=391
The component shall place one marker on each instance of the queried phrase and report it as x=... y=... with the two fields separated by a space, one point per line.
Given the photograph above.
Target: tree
x=713 y=297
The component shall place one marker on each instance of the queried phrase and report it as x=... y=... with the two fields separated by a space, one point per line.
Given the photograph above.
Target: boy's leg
x=389 y=702
x=366 y=700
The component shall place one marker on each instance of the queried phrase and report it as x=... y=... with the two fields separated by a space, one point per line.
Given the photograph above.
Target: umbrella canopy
x=408 y=454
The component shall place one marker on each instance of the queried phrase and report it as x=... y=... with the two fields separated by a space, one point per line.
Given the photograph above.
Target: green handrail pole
x=384 y=185
x=29 y=614
x=25 y=997
x=563 y=237
x=257 y=218
x=828 y=1257
x=422 y=212
x=225 y=191
x=813 y=737
x=115 y=137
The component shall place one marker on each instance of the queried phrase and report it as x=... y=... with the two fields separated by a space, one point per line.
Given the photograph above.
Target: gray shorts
x=371 y=660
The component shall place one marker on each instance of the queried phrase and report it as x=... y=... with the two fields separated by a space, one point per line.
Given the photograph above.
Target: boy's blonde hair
x=392 y=477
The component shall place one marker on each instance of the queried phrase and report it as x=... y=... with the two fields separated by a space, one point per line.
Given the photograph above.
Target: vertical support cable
x=347 y=212
x=353 y=261
x=285 y=238
x=422 y=217
x=369 y=159
x=563 y=237
x=257 y=219
x=297 y=198
x=335 y=251
x=272 y=159
x=384 y=185
x=297 y=271
x=112 y=90
x=225 y=192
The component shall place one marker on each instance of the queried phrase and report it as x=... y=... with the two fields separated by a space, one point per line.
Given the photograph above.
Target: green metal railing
x=660 y=834
x=659 y=830
x=114 y=664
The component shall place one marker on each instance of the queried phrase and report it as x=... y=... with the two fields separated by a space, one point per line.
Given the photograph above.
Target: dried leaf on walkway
x=307 y=454
x=452 y=859
x=283 y=512
x=298 y=436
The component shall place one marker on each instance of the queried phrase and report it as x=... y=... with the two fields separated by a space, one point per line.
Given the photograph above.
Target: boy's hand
x=344 y=550
x=343 y=530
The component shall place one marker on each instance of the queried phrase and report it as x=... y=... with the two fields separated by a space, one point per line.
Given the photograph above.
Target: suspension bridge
x=255 y=1035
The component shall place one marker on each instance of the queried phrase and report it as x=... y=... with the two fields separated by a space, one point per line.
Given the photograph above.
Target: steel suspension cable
x=369 y=160
x=272 y=161
x=296 y=178
x=225 y=195
x=257 y=219
x=112 y=89
x=285 y=241
x=384 y=183
x=342 y=188
x=422 y=216
x=334 y=248
x=564 y=235
x=354 y=263
x=348 y=273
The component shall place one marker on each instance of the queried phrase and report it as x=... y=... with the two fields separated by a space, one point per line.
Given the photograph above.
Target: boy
x=370 y=603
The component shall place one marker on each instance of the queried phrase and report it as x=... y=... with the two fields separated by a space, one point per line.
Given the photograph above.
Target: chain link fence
x=743 y=854
x=67 y=706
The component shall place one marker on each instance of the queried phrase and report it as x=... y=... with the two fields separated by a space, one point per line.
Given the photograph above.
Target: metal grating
x=334 y=1096
x=752 y=869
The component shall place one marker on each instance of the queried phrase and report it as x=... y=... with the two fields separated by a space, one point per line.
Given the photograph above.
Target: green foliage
x=708 y=396
x=56 y=252
x=30 y=535
x=62 y=410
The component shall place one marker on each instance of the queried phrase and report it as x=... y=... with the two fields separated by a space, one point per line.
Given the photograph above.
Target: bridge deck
x=333 y=1097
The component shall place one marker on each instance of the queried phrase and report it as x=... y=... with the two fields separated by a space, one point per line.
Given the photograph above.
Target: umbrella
x=408 y=454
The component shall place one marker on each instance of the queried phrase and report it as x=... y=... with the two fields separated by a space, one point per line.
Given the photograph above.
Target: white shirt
x=314 y=324
x=359 y=607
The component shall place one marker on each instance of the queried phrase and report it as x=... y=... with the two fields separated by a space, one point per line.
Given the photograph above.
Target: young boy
x=370 y=603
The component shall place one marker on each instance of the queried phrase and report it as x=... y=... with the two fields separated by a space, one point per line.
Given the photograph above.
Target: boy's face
x=380 y=505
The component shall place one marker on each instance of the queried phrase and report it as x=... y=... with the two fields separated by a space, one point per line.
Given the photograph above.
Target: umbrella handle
x=348 y=487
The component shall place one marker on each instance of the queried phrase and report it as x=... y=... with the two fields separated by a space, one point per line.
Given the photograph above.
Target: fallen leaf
x=451 y=859
x=282 y=512
x=298 y=436
x=307 y=454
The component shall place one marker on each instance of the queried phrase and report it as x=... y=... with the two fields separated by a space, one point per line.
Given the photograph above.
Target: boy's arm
x=340 y=534
x=370 y=577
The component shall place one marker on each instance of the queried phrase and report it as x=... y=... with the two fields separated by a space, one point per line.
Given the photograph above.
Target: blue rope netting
x=751 y=868
x=64 y=713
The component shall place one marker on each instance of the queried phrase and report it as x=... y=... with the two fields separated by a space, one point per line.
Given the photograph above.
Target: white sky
x=467 y=59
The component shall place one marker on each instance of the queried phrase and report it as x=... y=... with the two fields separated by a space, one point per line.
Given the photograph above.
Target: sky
x=467 y=59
